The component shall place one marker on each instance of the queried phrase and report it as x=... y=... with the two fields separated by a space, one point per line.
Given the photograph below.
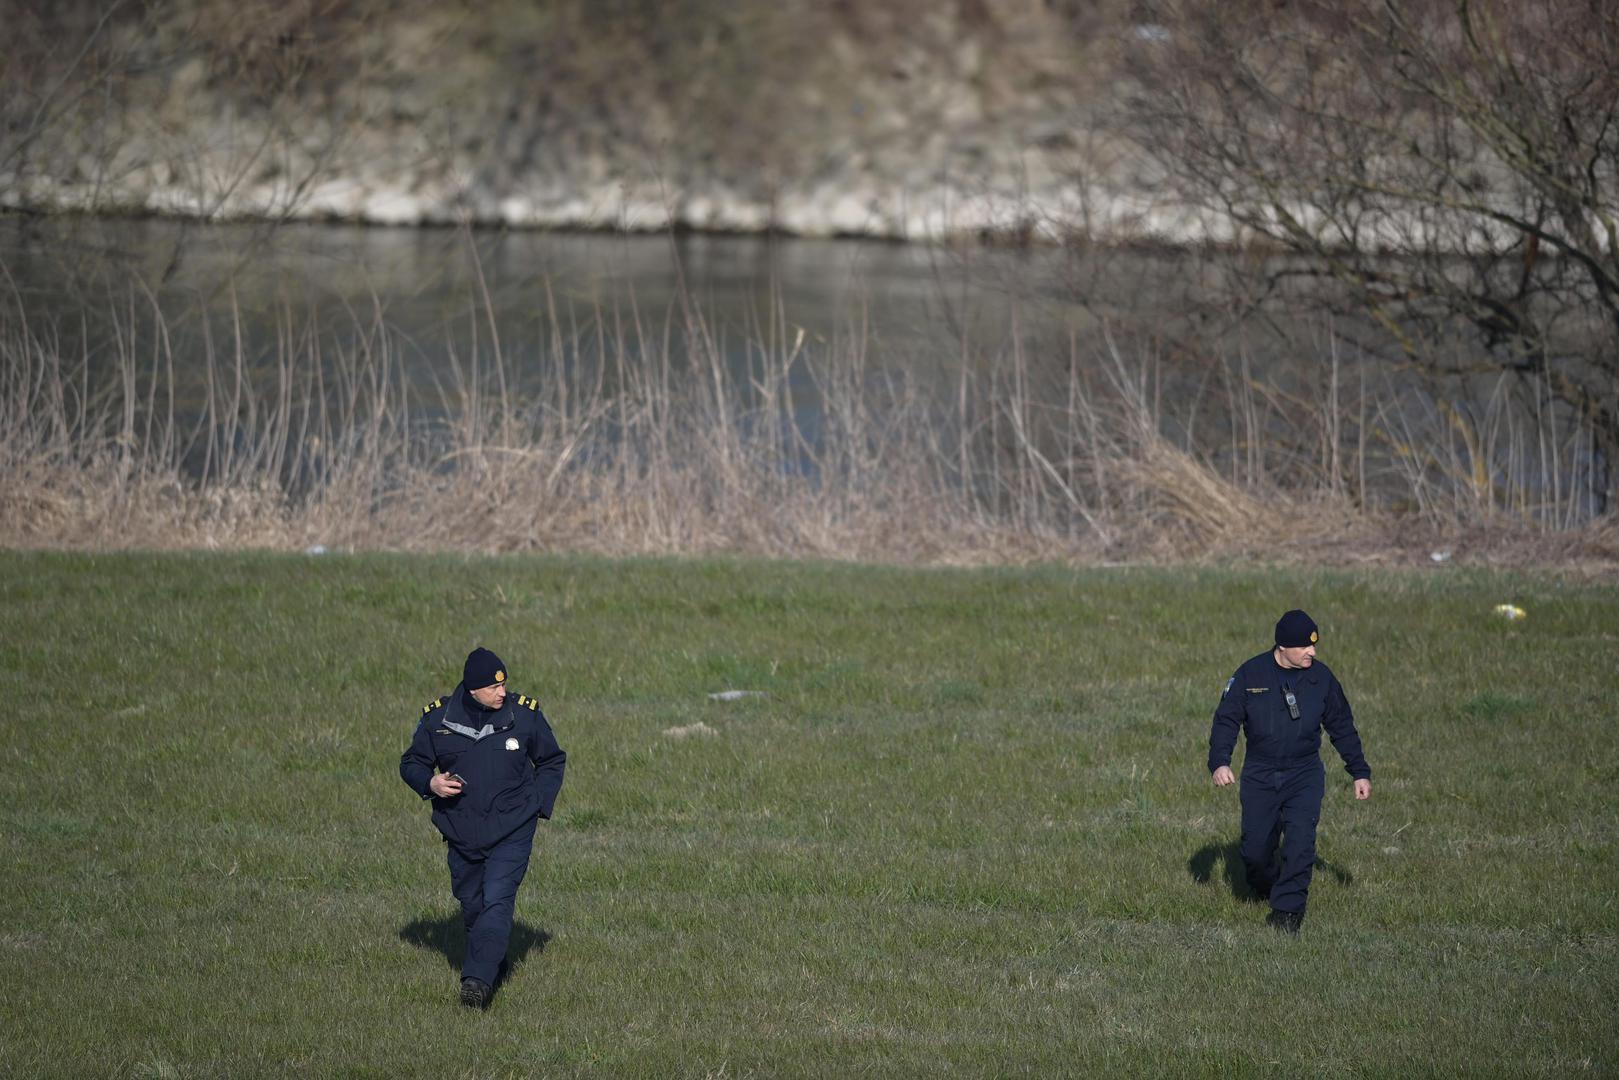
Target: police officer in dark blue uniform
x=1282 y=699
x=488 y=760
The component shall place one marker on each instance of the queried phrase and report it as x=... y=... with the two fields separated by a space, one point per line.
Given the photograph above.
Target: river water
x=912 y=305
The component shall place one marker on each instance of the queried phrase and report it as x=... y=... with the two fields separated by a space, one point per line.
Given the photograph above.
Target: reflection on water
x=447 y=297
x=913 y=305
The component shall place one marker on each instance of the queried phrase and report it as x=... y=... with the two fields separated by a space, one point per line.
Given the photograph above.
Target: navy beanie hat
x=483 y=668
x=1295 y=630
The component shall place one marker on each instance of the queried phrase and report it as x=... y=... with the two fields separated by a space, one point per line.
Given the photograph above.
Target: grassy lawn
x=967 y=829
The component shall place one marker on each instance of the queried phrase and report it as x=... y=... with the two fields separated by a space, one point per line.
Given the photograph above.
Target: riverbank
x=1039 y=206
x=620 y=435
x=909 y=121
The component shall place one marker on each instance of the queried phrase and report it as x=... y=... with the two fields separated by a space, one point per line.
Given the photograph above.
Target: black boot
x=474 y=993
x=1288 y=922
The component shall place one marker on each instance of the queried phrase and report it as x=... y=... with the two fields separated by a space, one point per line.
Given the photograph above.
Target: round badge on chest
x=511 y=744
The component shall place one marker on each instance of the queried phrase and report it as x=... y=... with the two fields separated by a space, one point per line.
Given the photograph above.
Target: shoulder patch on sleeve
x=431 y=705
x=1229 y=683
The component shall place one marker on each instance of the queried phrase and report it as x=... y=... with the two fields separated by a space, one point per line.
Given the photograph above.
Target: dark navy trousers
x=1281 y=801
x=486 y=881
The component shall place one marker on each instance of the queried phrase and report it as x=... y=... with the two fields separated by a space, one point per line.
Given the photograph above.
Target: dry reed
x=623 y=434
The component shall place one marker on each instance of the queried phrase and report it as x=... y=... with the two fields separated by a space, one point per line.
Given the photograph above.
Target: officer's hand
x=444 y=787
x=1224 y=777
x=1363 y=789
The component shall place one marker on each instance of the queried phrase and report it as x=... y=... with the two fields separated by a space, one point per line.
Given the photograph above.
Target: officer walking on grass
x=1282 y=699
x=488 y=760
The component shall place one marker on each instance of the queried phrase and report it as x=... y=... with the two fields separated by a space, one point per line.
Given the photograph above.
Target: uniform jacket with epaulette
x=510 y=765
x=1255 y=703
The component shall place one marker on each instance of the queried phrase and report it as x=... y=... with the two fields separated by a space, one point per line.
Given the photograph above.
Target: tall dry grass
x=627 y=432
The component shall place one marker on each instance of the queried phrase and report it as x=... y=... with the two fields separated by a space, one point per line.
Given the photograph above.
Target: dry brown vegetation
x=633 y=435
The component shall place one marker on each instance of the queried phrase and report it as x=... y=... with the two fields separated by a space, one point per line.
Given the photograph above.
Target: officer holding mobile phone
x=1282 y=699
x=488 y=760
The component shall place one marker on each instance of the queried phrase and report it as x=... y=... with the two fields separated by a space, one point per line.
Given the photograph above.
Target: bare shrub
x=1445 y=173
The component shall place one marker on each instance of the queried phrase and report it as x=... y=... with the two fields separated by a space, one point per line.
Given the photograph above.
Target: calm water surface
x=913 y=306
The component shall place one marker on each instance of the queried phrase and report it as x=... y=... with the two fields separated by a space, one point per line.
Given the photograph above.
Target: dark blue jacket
x=511 y=774
x=1254 y=703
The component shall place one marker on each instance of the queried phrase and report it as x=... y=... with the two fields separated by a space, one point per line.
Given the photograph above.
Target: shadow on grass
x=1229 y=858
x=447 y=937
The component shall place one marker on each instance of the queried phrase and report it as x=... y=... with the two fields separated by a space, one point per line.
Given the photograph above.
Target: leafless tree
x=1451 y=167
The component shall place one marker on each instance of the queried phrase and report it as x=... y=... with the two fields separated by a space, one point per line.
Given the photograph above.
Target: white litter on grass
x=1391 y=851
x=735 y=695
x=315 y=549
x=1439 y=556
x=698 y=728
x=1511 y=612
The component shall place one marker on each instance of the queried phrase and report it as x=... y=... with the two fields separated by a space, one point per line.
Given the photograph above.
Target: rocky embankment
x=924 y=121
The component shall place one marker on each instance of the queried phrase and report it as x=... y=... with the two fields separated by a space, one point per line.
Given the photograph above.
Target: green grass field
x=968 y=830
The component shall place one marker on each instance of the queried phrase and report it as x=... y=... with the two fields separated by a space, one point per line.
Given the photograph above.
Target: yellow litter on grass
x=1511 y=612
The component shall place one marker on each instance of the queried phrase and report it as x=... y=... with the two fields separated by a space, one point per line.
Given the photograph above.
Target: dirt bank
x=904 y=120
